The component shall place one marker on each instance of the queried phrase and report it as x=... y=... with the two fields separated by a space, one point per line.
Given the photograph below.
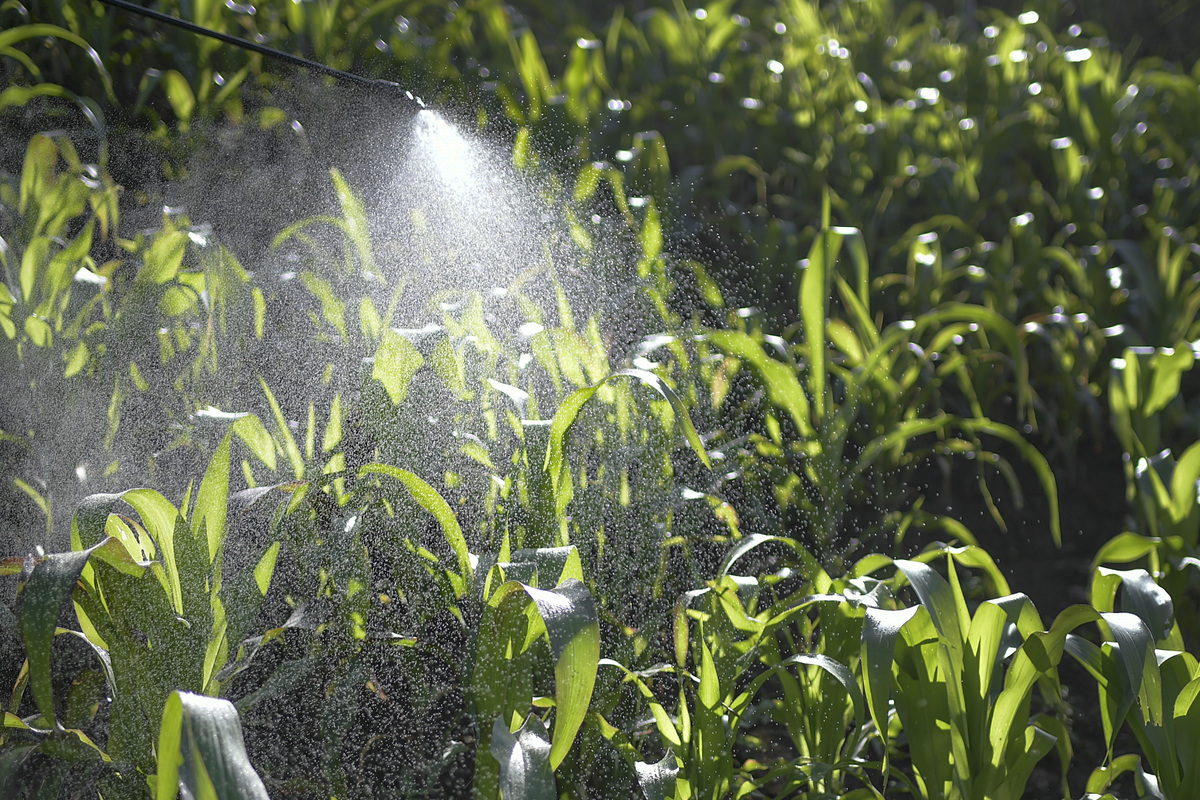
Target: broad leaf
x=201 y=753
x=524 y=757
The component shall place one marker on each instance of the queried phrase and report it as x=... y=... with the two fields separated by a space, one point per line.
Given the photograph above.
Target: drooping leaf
x=657 y=779
x=525 y=772
x=779 y=379
x=201 y=752
x=429 y=499
x=880 y=629
x=556 y=463
x=40 y=602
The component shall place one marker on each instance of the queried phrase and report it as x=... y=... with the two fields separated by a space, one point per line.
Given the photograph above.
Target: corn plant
x=155 y=603
x=1145 y=680
x=17 y=94
x=516 y=754
x=961 y=684
x=845 y=376
x=1149 y=420
x=746 y=665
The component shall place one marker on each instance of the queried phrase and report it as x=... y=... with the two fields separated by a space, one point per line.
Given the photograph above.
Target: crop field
x=540 y=401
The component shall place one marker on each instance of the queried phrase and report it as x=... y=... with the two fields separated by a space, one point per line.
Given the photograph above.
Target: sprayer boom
x=370 y=83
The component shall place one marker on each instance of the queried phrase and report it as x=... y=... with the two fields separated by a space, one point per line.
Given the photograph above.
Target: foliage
x=859 y=403
x=497 y=540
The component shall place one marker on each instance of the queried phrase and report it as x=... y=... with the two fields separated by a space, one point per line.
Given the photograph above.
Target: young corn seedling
x=1145 y=680
x=960 y=684
x=155 y=603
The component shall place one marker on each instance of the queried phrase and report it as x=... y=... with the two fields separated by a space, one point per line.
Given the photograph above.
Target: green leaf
x=657 y=779
x=1185 y=484
x=814 y=308
x=266 y=568
x=1035 y=459
x=556 y=463
x=355 y=221
x=333 y=308
x=18 y=33
x=812 y=568
x=1125 y=547
x=710 y=687
x=162 y=260
x=1145 y=598
x=525 y=772
x=880 y=629
x=937 y=597
x=180 y=95
x=201 y=752
x=40 y=601
x=1136 y=665
x=839 y=671
x=208 y=517
x=779 y=379
x=573 y=628
x=396 y=361
x=435 y=504
x=288 y=445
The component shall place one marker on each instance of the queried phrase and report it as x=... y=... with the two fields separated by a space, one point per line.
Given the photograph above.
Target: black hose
x=246 y=44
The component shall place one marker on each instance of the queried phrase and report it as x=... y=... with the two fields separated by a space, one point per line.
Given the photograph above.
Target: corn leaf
x=201 y=752
x=525 y=772
x=435 y=504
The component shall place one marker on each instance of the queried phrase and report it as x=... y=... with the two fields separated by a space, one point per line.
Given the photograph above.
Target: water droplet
x=1095 y=193
x=716 y=77
x=1061 y=143
x=860 y=106
x=775 y=66
x=587 y=44
x=1017 y=56
x=780 y=28
x=700 y=13
x=751 y=103
x=928 y=94
x=1028 y=18
x=966 y=123
x=991 y=31
x=945 y=76
x=1078 y=54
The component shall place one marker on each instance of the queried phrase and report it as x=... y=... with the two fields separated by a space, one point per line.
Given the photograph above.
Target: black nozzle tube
x=246 y=44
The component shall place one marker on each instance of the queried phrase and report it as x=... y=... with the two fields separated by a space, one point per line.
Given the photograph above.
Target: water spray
x=390 y=87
